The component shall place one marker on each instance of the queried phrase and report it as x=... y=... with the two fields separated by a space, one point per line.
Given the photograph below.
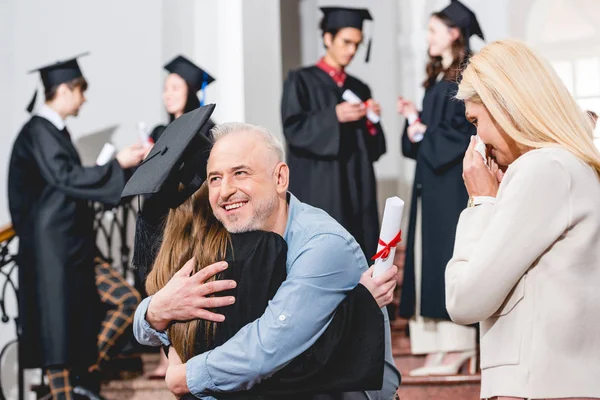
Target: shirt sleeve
x=318 y=279
x=497 y=244
x=142 y=330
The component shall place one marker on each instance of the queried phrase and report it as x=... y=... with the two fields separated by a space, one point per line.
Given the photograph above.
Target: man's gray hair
x=271 y=141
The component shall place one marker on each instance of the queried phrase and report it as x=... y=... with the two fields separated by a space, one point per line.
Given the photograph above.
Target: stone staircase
x=460 y=387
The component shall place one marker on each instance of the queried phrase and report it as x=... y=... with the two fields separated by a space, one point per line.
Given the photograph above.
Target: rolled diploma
x=390 y=226
x=106 y=154
x=144 y=134
x=352 y=98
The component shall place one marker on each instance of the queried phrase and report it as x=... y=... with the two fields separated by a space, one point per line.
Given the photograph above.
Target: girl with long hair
x=437 y=138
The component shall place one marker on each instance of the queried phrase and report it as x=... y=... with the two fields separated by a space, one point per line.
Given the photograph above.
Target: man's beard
x=262 y=212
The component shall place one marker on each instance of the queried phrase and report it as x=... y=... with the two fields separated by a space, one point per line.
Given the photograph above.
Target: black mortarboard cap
x=57 y=73
x=196 y=77
x=176 y=166
x=341 y=17
x=463 y=18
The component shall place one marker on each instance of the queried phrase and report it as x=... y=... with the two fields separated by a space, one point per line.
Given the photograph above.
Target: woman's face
x=175 y=94
x=500 y=146
x=440 y=37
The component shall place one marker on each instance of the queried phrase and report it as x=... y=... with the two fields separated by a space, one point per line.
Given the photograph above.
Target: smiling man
x=332 y=145
x=248 y=183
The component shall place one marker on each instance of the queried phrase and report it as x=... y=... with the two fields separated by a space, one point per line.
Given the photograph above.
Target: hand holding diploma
x=352 y=98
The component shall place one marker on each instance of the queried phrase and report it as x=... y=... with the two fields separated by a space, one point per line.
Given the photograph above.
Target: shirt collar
x=294 y=204
x=48 y=113
x=338 y=75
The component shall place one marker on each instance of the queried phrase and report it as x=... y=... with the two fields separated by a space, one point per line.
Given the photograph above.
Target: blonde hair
x=525 y=96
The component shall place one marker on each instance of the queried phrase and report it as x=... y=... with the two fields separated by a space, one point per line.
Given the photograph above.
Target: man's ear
x=62 y=89
x=282 y=177
x=327 y=39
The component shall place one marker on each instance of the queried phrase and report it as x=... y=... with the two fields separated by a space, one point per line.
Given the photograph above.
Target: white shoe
x=434 y=362
x=454 y=368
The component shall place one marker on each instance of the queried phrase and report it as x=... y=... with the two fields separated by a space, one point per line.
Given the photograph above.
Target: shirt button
x=419 y=186
x=282 y=317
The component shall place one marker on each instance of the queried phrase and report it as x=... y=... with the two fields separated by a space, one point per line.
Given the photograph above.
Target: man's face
x=242 y=183
x=344 y=45
x=74 y=99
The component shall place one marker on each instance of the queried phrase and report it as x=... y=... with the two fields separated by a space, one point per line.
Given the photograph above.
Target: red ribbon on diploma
x=387 y=247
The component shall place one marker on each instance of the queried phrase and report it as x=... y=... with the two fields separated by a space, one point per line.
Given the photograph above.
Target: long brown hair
x=459 y=53
x=191 y=230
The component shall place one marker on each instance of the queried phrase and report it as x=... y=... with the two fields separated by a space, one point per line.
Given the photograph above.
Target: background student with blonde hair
x=526 y=265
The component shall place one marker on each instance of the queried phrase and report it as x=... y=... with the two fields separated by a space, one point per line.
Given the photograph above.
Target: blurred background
x=249 y=46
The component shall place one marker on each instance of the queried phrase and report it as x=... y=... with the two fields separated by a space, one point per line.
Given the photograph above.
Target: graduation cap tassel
x=368 y=56
x=32 y=102
x=203 y=89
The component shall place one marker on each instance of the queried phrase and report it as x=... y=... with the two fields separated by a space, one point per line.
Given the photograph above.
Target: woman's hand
x=480 y=180
x=382 y=287
x=406 y=107
x=416 y=131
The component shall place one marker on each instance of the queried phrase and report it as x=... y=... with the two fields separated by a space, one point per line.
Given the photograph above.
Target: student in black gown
x=348 y=356
x=49 y=194
x=437 y=138
x=184 y=81
x=332 y=145
x=182 y=85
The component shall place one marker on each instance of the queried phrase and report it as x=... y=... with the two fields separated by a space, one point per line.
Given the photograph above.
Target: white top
x=528 y=269
x=46 y=112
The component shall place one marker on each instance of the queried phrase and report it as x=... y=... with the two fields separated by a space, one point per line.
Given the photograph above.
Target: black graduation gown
x=331 y=164
x=439 y=185
x=349 y=356
x=49 y=193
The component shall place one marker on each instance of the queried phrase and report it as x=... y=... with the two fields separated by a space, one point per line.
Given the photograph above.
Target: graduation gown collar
x=48 y=113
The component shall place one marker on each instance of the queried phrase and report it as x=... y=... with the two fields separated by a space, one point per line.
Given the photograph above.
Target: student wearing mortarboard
x=437 y=138
x=332 y=145
x=60 y=277
x=180 y=95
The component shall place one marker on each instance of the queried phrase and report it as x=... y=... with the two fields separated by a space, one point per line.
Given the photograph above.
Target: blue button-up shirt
x=324 y=262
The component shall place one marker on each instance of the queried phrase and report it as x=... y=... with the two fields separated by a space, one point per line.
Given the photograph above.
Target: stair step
x=463 y=387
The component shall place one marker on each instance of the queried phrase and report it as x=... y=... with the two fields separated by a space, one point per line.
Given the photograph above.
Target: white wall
x=123 y=71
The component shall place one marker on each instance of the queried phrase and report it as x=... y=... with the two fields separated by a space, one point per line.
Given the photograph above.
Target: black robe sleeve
x=375 y=143
x=57 y=166
x=349 y=356
x=445 y=142
x=315 y=132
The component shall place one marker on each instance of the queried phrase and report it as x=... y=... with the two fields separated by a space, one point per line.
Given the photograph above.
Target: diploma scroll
x=390 y=235
x=352 y=98
x=106 y=154
x=144 y=135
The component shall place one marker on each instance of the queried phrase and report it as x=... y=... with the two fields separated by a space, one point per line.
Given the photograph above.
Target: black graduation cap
x=464 y=18
x=196 y=77
x=176 y=166
x=57 y=73
x=342 y=17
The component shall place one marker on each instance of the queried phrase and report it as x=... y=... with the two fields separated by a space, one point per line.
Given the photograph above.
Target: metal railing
x=114 y=229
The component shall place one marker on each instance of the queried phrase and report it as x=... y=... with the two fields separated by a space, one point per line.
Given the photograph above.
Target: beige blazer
x=527 y=268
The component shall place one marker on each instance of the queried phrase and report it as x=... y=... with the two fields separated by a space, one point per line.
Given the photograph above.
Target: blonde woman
x=526 y=262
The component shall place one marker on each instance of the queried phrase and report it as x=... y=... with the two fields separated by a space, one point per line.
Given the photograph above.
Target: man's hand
x=175 y=377
x=374 y=106
x=186 y=296
x=348 y=112
x=131 y=156
x=381 y=287
x=406 y=107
